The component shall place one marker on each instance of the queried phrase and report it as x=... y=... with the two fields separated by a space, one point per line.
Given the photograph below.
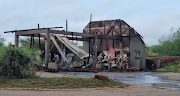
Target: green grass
x=3 y=85
x=62 y=83
x=56 y=83
x=59 y=82
x=21 y=81
x=43 y=82
x=20 y=85
x=29 y=86
x=123 y=84
x=33 y=82
x=52 y=87
x=64 y=86
x=172 y=67
x=13 y=85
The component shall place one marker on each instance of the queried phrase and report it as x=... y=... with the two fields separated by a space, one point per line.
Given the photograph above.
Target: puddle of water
x=170 y=88
x=142 y=78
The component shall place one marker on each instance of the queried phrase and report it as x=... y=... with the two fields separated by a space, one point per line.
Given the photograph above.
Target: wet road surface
x=141 y=78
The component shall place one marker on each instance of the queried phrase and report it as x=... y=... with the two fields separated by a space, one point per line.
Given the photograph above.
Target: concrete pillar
x=16 y=42
x=47 y=47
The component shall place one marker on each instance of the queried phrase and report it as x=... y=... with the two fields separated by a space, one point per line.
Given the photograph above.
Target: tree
x=170 y=44
x=2 y=40
x=17 y=62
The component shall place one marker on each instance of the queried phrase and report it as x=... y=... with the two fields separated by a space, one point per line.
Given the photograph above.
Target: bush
x=168 y=45
x=17 y=62
x=172 y=67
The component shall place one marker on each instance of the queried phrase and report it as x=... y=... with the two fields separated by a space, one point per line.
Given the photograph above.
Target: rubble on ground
x=100 y=76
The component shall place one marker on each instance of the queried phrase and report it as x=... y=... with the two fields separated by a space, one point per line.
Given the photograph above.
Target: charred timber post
x=89 y=38
x=129 y=47
x=31 y=42
x=61 y=46
x=39 y=39
x=89 y=47
x=95 y=52
x=47 y=47
x=16 y=40
x=66 y=25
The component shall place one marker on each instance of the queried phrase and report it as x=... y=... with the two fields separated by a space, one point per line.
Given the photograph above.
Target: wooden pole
x=95 y=52
x=39 y=39
x=47 y=47
x=16 y=40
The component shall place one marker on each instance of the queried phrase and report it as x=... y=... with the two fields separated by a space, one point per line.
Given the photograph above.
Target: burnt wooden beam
x=30 y=29
x=47 y=47
x=37 y=31
x=59 y=49
x=16 y=40
x=35 y=35
x=78 y=39
x=95 y=52
x=70 y=33
x=118 y=37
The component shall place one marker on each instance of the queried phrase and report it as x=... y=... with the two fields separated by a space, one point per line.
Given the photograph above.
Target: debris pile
x=100 y=76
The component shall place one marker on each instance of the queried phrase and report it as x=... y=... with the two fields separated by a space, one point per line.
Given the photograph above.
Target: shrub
x=17 y=62
x=172 y=67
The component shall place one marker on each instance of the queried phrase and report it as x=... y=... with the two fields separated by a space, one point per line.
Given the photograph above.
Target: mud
x=164 y=60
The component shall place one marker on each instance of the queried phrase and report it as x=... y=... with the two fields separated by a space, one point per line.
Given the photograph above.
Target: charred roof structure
x=130 y=45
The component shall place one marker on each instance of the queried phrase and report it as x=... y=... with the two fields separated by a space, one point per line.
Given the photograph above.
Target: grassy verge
x=59 y=82
x=172 y=67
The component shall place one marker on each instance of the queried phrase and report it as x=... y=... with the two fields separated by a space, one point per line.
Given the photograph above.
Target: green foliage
x=64 y=86
x=26 y=43
x=17 y=62
x=172 y=67
x=152 y=51
x=2 y=40
x=77 y=44
x=123 y=84
x=169 y=45
x=3 y=85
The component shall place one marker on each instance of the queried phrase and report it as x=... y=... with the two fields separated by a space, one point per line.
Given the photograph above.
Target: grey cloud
x=26 y=14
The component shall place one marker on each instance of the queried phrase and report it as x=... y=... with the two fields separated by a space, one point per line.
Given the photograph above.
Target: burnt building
x=130 y=45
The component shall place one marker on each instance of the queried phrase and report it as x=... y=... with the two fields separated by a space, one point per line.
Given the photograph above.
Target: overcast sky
x=150 y=18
